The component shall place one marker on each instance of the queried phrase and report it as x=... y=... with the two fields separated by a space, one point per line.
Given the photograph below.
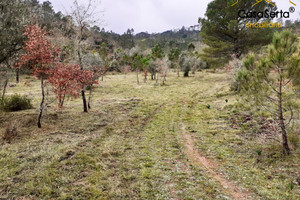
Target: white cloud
x=154 y=15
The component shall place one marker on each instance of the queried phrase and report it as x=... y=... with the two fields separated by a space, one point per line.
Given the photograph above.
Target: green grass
x=129 y=146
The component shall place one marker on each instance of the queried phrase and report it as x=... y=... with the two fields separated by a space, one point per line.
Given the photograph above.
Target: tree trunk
x=61 y=101
x=165 y=79
x=85 y=108
x=4 y=88
x=285 y=145
x=145 y=76
x=42 y=103
x=90 y=96
x=186 y=74
x=237 y=53
x=137 y=77
x=17 y=75
x=157 y=78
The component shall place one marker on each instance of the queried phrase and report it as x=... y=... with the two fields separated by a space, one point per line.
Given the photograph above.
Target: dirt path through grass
x=140 y=142
x=197 y=159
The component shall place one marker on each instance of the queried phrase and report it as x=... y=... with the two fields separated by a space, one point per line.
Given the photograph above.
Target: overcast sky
x=154 y=15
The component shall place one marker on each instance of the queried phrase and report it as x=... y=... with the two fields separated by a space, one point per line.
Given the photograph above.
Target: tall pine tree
x=226 y=34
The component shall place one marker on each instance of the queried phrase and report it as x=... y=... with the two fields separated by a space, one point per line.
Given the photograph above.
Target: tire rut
x=211 y=166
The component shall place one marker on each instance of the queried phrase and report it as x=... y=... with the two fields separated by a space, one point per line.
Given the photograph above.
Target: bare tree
x=93 y=62
x=84 y=15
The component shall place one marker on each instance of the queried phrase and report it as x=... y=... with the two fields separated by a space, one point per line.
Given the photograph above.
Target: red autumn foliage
x=41 y=57
x=69 y=81
x=39 y=54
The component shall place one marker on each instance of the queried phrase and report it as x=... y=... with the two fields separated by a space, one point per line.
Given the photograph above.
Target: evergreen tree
x=127 y=40
x=191 y=47
x=137 y=64
x=157 y=54
x=270 y=82
x=226 y=34
x=174 y=58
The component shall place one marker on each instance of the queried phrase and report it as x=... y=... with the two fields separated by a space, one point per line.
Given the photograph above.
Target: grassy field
x=144 y=142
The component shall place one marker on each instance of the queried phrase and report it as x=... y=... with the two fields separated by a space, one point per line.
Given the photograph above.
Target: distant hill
x=177 y=38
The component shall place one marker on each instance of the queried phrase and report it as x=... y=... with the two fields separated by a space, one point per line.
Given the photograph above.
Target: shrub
x=294 y=139
x=10 y=131
x=16 y=102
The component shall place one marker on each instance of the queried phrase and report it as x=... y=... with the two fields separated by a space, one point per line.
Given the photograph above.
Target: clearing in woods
x=141 y=142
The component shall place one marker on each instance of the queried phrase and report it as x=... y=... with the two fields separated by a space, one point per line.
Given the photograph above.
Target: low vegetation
x=131 y=145
x=15 y=102
x=184 y=114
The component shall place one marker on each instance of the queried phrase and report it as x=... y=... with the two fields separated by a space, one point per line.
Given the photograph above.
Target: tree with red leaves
x=69 y=81
x=39 y=56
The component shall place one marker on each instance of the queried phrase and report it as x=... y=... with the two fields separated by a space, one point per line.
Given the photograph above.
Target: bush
x=294 y=139
x=235 y=75
x=10 y=131
x=15 y=102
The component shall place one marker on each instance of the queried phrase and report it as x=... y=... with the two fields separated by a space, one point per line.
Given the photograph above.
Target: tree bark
x=178 y=69
x=90 y=97
x=285 y=145
x=145 y=76
x=4 y=88
x=42 y=103
x=186 y=74
x=17 y=75
x=165 y=79
x=152 y=76
x=85 y=108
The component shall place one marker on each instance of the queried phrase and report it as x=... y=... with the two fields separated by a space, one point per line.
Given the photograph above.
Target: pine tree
x=157 y=55
x=270 y=82
x=157 y=52
x=225 y=33
x=137 y=64
x=174 y=56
